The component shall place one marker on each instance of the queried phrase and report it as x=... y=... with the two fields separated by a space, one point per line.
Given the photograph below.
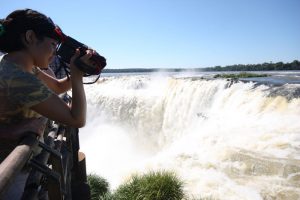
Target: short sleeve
x=26 y=90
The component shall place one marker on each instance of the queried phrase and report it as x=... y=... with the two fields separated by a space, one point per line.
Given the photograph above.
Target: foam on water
x=225 y=140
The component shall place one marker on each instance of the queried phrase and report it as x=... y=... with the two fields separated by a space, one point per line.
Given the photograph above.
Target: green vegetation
x=295 y=65
x=99 y=186
x=240 y=75
x=154 y=185
x=160 y=185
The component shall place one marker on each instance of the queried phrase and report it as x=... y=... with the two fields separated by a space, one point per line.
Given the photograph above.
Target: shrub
x=160 y=185
x=99 y=187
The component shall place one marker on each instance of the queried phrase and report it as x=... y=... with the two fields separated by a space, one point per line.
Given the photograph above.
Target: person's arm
x=58 y=86
x=55 y=109
x=17 y=131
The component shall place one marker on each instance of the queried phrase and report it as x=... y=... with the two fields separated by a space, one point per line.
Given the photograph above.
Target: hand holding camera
x=89 y=61
x=77 y=62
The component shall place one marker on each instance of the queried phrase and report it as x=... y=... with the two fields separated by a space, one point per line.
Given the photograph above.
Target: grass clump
x=240 y=75
x=159 y=185
x=99 y=187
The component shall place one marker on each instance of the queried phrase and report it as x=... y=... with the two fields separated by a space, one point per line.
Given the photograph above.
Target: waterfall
x=226 y=140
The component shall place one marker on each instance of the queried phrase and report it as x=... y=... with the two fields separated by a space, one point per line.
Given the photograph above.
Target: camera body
x=67 y=49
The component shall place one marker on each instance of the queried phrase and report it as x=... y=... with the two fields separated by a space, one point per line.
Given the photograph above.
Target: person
x=57 y=84
x=18 y=131
x=57 y=66
x=28 y=39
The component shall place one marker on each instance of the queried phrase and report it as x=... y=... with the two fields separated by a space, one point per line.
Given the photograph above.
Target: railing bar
x=15 y=161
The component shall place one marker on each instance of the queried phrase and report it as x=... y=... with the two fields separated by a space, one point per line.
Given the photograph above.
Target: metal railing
x=58 y=171
x=15 y=161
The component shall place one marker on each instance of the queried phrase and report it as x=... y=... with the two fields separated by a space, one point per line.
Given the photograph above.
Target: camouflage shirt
x=19 y=90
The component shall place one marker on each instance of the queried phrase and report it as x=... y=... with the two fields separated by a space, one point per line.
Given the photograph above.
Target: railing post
x=15 y=161
x=59 y=168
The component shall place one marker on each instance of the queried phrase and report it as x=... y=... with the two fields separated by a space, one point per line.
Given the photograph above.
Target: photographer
x=58 y=86
x=57 y=66
x=29 y=39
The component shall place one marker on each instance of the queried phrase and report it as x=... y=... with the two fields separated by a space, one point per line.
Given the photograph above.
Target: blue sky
x=178 y=33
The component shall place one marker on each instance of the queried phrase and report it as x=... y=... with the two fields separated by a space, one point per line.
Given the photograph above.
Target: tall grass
x=161 y=185
x=99 y=186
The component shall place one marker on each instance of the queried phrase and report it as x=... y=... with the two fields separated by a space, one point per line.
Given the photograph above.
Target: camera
x=67 y=49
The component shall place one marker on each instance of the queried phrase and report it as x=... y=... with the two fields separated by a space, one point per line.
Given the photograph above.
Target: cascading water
x=225 y=140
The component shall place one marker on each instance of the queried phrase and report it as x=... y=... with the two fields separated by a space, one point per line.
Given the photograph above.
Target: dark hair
x=18 y=22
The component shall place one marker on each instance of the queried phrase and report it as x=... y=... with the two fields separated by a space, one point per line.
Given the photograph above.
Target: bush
x=152 y=186
x=99 y=187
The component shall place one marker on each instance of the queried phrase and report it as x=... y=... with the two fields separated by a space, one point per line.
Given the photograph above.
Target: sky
x=177 y=33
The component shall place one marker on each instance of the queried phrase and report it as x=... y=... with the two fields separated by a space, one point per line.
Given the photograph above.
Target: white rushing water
x=226 y=141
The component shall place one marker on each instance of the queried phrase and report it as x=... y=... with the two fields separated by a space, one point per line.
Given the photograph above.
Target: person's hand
x=33 y=125
x=85 y=59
